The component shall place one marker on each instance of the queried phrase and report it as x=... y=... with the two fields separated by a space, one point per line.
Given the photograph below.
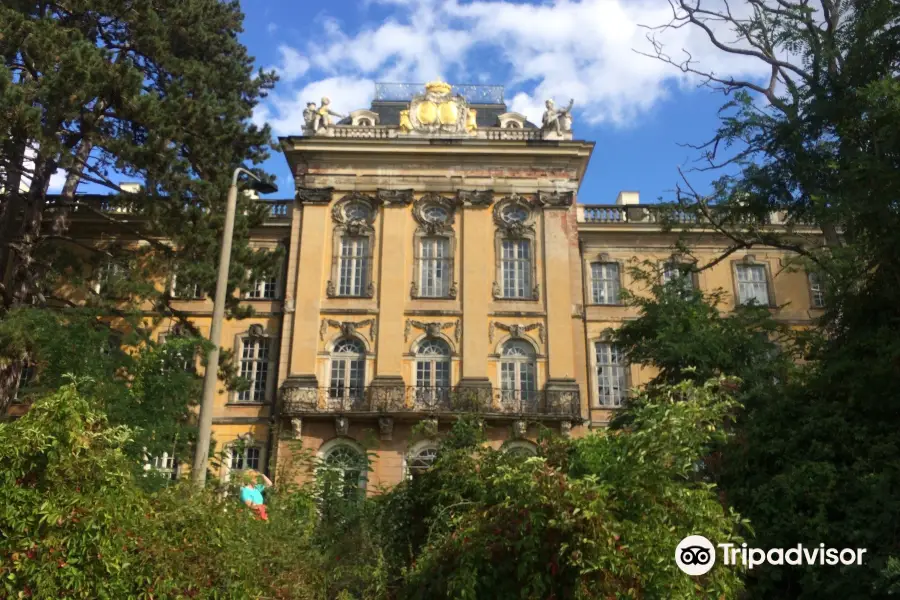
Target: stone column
x=478 y=271
x=314 y=256
x=559 y=237
x=392 y=290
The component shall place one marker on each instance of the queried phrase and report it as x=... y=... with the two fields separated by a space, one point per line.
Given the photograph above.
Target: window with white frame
x=244 y=456
x=752 y=284
x=518 y=386
x=680 y=274
x=432 y=372
x=184 y=288
x=183 y=357
x=515 y=268
x=347 y=468
x=347 y=376
x=816 y=290
x=605 y=282
x=612 y=378
x=435 y=267
x=107 y=276
x=421 y=458
x=353 y=268
x=166 y=465
x=254 y=368
x=26 y=376
x=265 y=288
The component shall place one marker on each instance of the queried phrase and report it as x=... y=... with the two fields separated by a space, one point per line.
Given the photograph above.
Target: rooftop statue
x=558 y=121
x=319 y=118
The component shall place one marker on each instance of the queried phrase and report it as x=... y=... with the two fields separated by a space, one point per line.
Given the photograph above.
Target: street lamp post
x=210 y=378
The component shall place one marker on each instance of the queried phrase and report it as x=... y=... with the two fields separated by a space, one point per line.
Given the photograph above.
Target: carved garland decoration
x=431 y=329
x=314 y=195
x=399 y=197
x=348 y=328
x=515 y=331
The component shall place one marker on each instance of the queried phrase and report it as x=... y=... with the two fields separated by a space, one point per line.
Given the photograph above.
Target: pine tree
x=160 y=92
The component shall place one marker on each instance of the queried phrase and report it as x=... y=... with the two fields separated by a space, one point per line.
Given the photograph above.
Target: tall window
x=263 y=289
x=353 y=270
x=348 y=371
x=612 y=381
x=244 y=456
x=679 y=273
x=518 y=387
x=816 y=290
x=605 y=282
x=346 y=467
x=515 y=268
x=432 y=372
x=752 y=283
x=26 y=376
x=254 y=368
x=108 y=276
x=434 y=267
x=183 y=287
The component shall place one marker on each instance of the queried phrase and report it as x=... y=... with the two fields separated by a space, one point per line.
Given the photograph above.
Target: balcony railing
x=660 y=215
x=414 y=399
x=122 y=205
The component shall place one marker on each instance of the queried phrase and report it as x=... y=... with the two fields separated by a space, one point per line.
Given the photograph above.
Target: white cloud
x=561 y=50
x=285 y=113
x=293 y=65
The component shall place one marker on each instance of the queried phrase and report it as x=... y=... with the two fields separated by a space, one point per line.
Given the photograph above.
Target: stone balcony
x=561 y=405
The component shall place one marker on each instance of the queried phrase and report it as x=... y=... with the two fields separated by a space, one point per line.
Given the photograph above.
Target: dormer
x=512 y=120
x=363 y=118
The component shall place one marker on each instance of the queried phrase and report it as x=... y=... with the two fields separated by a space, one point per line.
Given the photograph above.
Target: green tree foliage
x=596 y=517
x=150 y=388
x=158 y=92
x=76 y=524
x=817 y=143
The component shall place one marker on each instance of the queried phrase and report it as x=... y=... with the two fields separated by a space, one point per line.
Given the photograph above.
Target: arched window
x=421 y=458
x=346 y=468
x=347 y=377
x=520 y=449
x=432 y=373
x=517 y=376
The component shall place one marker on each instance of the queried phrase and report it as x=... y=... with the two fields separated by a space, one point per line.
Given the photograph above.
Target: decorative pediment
x=314 y=195
x=515 y=331
x=349 y=328
x=256 y=330
x=356 y=212
x=556 y=199
x=475 y=198
x=434 y=213
x=514 y=215
x=389 y=197
x=432 y=329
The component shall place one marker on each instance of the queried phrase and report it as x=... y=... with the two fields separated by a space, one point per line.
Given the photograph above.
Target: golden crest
x=448 y=113
x=427 y=112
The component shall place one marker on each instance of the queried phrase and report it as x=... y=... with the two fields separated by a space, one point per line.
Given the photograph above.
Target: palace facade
x=439 y=260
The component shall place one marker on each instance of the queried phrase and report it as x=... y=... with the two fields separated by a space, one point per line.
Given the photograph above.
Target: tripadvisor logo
x=696 y=555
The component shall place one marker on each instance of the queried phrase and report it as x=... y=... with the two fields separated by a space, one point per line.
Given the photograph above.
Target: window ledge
x=227 y=404
x=617 y=304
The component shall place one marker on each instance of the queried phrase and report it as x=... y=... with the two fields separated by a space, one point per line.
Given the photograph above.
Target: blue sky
x=638 y=110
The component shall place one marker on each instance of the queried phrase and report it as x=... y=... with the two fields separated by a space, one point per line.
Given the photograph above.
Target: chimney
x=626 y=198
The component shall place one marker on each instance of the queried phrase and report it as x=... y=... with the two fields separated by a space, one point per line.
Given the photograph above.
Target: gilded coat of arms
x=437 y=111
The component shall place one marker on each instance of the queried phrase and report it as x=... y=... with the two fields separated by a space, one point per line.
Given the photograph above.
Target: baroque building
x=438 y=261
